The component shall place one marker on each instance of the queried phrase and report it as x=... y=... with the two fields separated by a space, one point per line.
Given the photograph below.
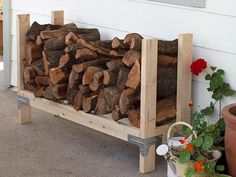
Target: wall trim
x=7 y=18
x=189 y=3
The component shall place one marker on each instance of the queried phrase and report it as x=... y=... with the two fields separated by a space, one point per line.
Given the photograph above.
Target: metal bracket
x=144 y=144
x=22 y=101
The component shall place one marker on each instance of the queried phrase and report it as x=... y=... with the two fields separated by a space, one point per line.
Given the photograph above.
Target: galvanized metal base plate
x=22 y=101
x=144 y=144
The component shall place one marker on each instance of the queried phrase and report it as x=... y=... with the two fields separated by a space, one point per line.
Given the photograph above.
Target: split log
x=49 y=34
x=118 y=44
x=115 y=65
x=168 y=47
x=39 y=40
x=110 y=77
x=117 y=115
x=134 y=76
x=42 y=81
x=130 y=57
x=36 y=28
x=127 y=98
x=58 y=76
x=39 y=67
x=57 y=43
x=72 y=48
x=29 y=75
x=67 y=61
x=97 y=81
x=96 y=47
x=31 y=87
x=134 y=117
x=129 y=38
x=71 y=38
x=166 y=82
x=48 y=94
x=88 y=75
x=102 y=107
x=33 y=52
x=136 y=44
x=75 y=79
x=89 y=102
x=70 y=95
x=112 y=96
x=166 y=110
x=79 y=68
x=39 y=92
x=122 y=78
x=78 y=99
x=85 y=54
x=51 y=59
x=59 y=91
x=166 y=61
x=117 y=53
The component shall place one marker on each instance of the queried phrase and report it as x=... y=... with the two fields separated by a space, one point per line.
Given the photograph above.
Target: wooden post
x=148 y=100
x=57 y=17
x=23 y=25
x=184 y=80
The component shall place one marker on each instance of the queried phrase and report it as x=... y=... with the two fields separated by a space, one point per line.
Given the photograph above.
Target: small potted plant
x=199 y=155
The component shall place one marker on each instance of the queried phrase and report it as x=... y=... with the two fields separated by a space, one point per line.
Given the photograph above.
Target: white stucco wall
x=214 y=27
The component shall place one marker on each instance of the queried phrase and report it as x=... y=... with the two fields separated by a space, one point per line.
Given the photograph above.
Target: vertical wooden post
x=57 y=17
x=184 y=80
x=148 y=100
x=23 y=25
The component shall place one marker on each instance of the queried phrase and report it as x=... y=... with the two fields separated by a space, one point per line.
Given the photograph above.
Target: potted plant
x=200 y=155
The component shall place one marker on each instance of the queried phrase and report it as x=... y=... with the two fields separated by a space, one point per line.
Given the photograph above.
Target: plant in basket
x=201 y=146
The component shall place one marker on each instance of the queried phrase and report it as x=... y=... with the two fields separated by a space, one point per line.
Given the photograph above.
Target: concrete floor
x=54 y=147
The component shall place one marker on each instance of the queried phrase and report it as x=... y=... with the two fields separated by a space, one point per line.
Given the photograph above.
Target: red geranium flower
x=198 y=66
x=189 y=148
x=198 y=166
x=182 y=141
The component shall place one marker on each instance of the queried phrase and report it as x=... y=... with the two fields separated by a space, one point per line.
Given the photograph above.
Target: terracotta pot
x=229 y=115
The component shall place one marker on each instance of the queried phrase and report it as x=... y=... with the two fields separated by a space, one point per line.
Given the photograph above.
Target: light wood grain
x=57 y=17
x=148 y=100
x=184 y=80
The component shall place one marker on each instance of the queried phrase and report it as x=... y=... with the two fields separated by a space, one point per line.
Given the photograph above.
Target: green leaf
x=190 y=172
x=207 y=111
x=213 y=68
x=210 y=128
x=207 y=143
x=198 y=142
x=200 y=157
x=184 y=157
x=208 y=77
x=220 y=168
x=220 y=72
x=211 y=165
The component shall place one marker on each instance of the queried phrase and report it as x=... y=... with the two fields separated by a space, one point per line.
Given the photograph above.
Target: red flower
x=189 y=148
x=198 y=166
x=182 y=141
x=198 y=66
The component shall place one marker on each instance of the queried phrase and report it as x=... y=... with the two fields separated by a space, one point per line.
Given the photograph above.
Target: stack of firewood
x=99 y=77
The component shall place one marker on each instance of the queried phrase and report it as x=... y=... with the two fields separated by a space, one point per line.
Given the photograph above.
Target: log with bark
x=59 y=91
x=119 y=44
x=130 y=57
x=75 y=79
x=72 y=48
x=51 y=59
x=42 y=81
x=78 y=99
x=89 y=74
x=110 y=77
x=134 y=76
x=168 y=47
x=35 y=30
x=29 y=75
x=33 y=52
x=85 y=54
x=67 y=61
x=70 y=95
x=97 y=81
x=117 y=115
x=134 y=117
x=133 y=38
x=39 y=67
x=80 y=68
x=39 y=92
x=102 y=108
x=122 y=78
x=89 y=102
x=167 y=61
x=112 y=96
x=59 y=76
x=48 y=94
x=115 y=65
x=57 y=43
